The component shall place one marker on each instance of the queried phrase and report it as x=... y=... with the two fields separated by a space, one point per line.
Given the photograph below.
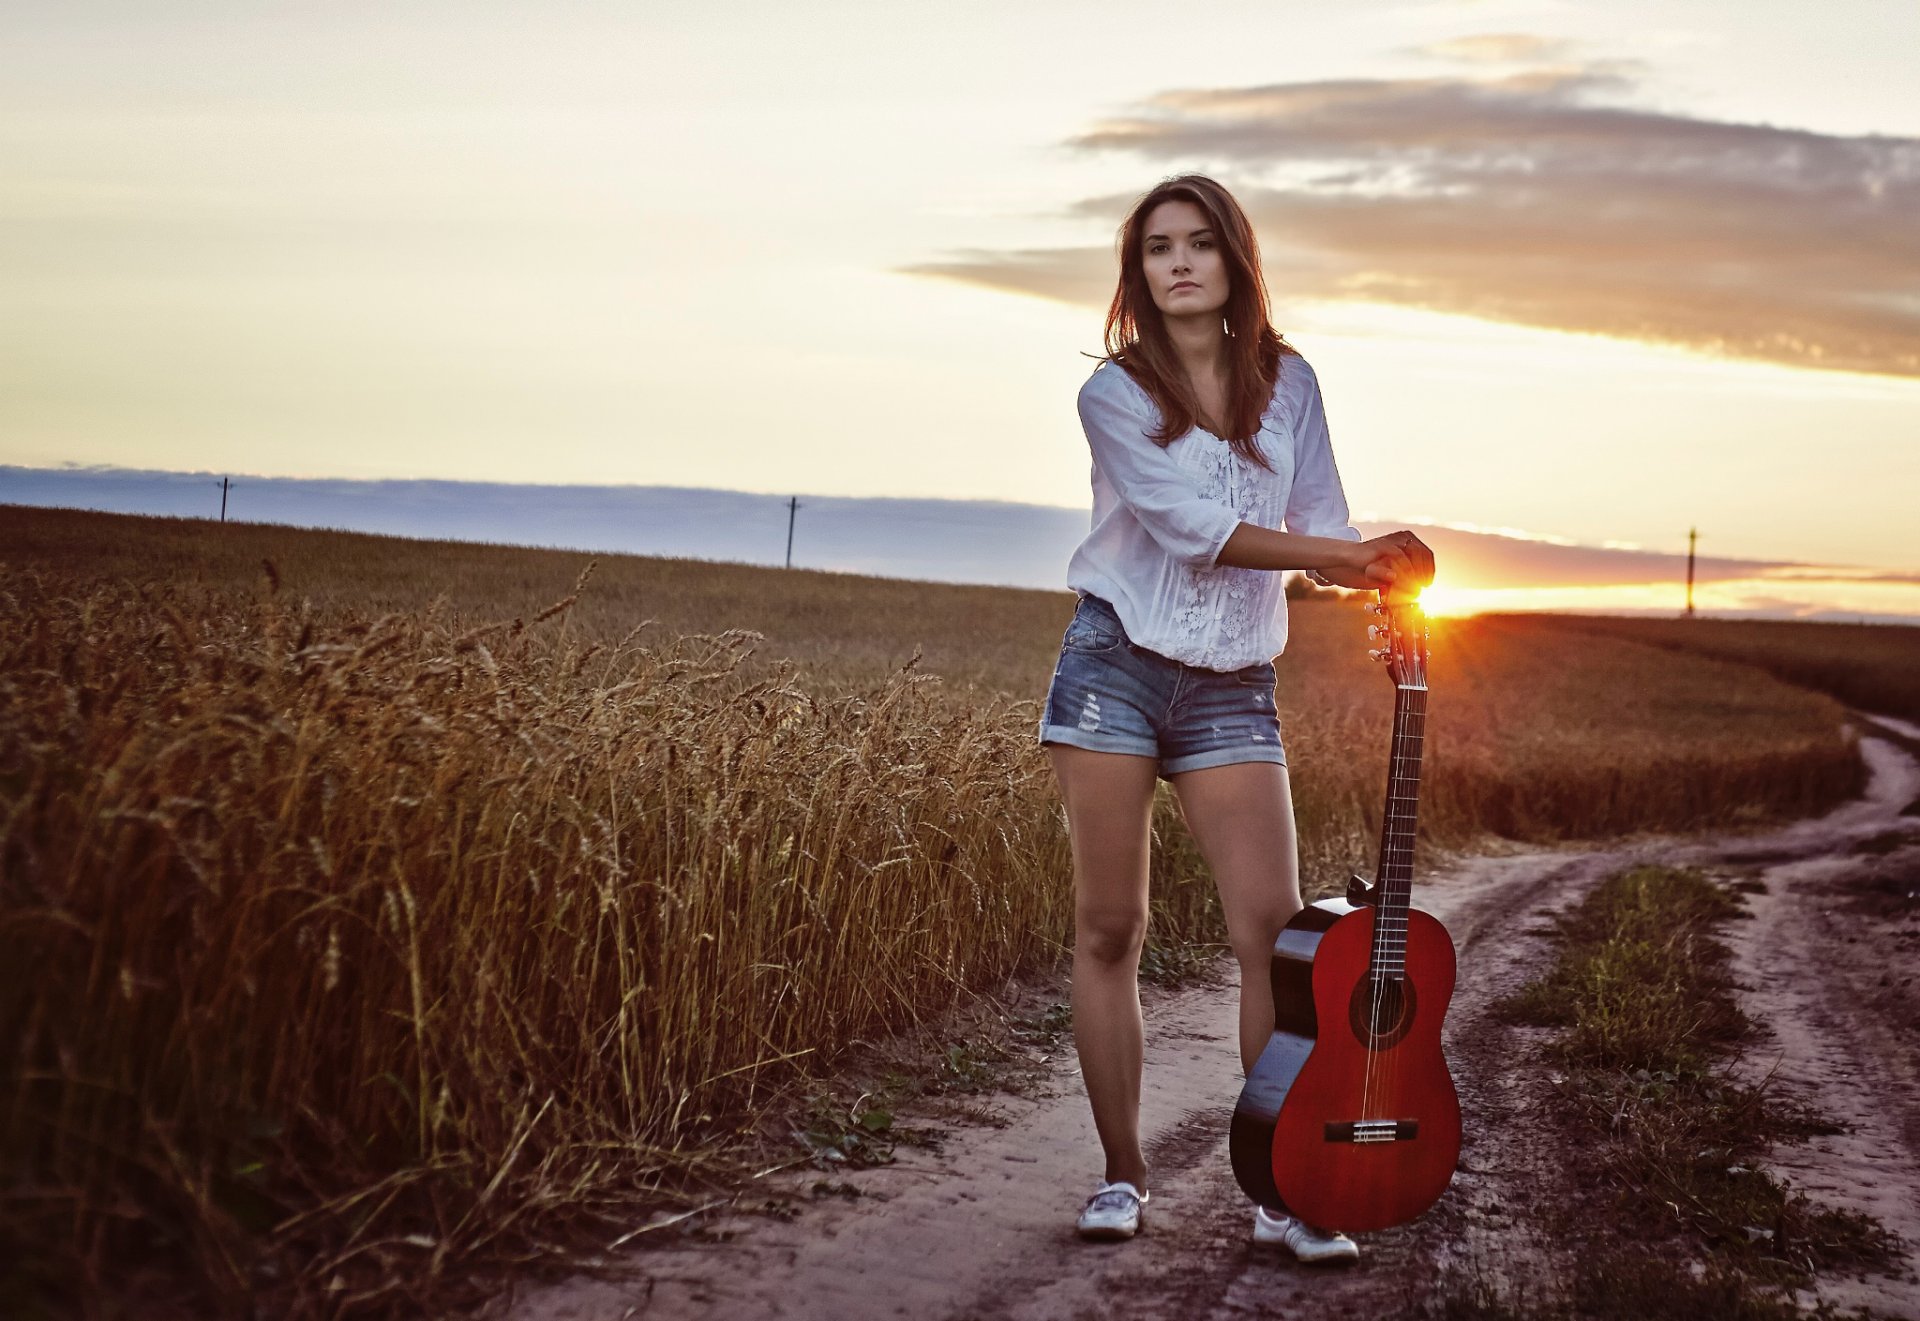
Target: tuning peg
x=1376 y=630
x=1375 y=608
x=1380 y=653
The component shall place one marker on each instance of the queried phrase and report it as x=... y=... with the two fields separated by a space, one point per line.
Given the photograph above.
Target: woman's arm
x=1189 y=525
x=1397 y=557
x=1204 y=532
x=1319 y=537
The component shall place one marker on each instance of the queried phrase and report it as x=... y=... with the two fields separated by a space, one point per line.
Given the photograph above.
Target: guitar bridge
x=1362 y=1131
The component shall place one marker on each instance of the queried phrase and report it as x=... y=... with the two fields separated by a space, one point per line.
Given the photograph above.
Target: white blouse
x=1160 y=517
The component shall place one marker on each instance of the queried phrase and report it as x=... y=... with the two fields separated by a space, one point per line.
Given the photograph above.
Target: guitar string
x=1390 y=934
x=1396 y=850
x=1382 y=933
x=1404 y=843
x=1375 y=971
x=1376 y=951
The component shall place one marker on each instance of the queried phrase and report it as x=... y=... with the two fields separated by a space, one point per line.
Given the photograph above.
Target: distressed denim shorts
x=1110 y=695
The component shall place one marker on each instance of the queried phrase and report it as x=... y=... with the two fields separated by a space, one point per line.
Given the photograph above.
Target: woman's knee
x=1253 y=937
x=1109 y=935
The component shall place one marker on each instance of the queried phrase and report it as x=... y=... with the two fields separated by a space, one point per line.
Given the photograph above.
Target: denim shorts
x=1111 y=695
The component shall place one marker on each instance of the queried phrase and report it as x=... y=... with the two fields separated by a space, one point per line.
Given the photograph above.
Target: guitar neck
x=1393 y=890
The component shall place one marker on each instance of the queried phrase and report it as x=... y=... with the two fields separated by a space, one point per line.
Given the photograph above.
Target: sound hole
x=1381 y=1013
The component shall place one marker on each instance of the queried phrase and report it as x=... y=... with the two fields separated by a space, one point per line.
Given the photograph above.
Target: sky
x=1573 y=273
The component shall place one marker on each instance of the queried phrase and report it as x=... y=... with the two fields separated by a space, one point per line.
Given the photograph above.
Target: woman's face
x=1184 y=267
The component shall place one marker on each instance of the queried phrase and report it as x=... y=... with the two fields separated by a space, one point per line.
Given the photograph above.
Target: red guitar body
x=1358 y=1068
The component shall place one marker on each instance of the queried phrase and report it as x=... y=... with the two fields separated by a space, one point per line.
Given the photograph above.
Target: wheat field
x=377 y=908
x=1875 y=667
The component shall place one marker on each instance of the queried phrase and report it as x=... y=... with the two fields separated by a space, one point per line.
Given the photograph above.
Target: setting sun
x=1437 y=599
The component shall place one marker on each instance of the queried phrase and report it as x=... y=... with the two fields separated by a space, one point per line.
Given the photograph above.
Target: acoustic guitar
x=1349 y=1116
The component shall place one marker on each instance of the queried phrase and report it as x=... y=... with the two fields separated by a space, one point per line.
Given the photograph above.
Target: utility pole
x=223 y=499
x=1693 y=534
x=793 y=505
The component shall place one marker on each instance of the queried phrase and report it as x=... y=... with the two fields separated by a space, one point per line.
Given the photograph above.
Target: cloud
x=1487 y=558
x=1840 y=573
x=1526 y=199
x=1495 y=48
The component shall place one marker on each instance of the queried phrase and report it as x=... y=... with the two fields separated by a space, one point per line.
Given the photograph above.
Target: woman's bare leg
x=1109 y=800
x=1241 y=816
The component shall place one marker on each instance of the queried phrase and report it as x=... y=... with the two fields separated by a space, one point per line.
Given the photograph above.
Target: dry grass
x=1875 y=667
x=839 y=630
x=1539 y=735
x=340 y=955
x=377 y=910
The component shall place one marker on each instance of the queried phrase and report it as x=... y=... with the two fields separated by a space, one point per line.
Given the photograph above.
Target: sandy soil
x=984 y=1228
x=1828 y=966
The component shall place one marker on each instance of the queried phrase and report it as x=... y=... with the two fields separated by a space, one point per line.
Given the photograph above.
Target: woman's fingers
x=1399 y=557
x=1390 y=566
x=1423 y=559
x=1419 y=557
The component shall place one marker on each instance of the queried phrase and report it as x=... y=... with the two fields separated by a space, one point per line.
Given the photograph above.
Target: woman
x=1208 y=437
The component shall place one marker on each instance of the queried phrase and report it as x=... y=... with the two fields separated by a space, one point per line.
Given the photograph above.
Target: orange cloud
x=1524 y=199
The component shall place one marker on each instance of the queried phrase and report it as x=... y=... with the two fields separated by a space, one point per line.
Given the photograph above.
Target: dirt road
x=985 y=1228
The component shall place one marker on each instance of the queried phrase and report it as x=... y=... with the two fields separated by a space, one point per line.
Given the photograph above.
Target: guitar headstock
x=1404 y=637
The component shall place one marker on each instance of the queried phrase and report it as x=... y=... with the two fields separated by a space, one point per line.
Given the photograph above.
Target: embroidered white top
x=1160 y=517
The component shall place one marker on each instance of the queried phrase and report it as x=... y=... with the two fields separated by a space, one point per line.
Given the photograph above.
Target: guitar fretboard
x=1393 y=884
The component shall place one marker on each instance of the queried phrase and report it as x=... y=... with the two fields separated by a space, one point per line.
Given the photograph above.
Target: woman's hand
x=1398 y=559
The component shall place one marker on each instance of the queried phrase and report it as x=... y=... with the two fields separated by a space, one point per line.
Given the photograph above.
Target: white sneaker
x=1303 y=1240
x=1113 y=1211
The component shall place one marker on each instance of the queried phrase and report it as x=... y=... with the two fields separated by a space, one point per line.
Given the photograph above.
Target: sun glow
x=1441 y=601
x=1895 y=600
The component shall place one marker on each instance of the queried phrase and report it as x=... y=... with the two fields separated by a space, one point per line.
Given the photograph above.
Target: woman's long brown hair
x=1136 y=332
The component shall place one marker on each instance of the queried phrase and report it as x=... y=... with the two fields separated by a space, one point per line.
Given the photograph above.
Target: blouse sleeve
x=1192 y=527
x=1317 y=505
